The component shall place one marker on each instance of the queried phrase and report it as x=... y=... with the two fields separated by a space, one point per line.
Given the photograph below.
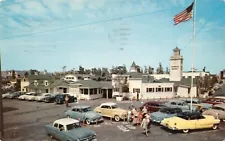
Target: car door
x=61 y=134
x=55 y=131
x=191 y=122
x=173 y=104
x=202 y=122
x=103 y=110
x=75 y=113
x=109 y=111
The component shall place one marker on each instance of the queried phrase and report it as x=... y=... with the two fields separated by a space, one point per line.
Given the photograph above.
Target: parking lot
x=27 y=124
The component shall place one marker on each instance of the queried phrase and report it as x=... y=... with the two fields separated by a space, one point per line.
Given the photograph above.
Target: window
x=82 y=91
x=168 y=89
x=86 y=91
x=75 y=110
x=136 y=90
x=159 y=90
x=56 y=125
x=61 y=127
x=87 y=109
x=180 y=104
x=73 y=126
x=95 y=90
x=116 y=89
x=105 y=107
x=46 y=83
x=91 y=91
x=173 y=103
x=150 y=90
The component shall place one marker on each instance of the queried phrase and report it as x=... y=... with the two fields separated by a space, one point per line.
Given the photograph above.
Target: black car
x=60 y=98
x=49 y=99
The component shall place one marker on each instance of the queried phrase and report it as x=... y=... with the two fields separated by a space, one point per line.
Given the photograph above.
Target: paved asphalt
x=27 y=124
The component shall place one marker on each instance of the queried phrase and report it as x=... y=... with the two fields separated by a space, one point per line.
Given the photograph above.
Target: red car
x=153 y=106
x=214 y=101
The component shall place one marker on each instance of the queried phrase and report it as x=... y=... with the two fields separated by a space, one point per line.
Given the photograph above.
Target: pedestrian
x=144 y=111
x=129 y=115
x=67 y=101
x=145 y=124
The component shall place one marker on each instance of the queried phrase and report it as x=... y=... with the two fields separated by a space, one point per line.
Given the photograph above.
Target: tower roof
x=133 y=64
x=176 y=49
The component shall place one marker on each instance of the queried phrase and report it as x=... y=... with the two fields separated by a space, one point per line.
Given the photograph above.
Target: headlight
x=175 y=123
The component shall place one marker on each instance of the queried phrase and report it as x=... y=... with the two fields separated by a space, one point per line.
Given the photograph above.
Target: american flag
x=184 y=15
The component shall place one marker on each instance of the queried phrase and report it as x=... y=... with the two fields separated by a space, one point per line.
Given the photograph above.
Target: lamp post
x=1 y=104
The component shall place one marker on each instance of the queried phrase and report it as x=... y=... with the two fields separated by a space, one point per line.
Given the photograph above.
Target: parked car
x=23 y=97
x=178 y=104
x=15 y=95
x=60 y=98
x=111 y=110
x=215 y=101
x=50 y=99
x=32 y=96
x=84 y=113
x=68 y=129
x=187 y=121
x=41 y=97
x=218 y=111
x=5 y=95
x=197 y=104
x=153 y=106
x=163 y=113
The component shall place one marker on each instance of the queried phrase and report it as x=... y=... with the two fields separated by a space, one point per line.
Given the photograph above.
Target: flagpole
x=193 y=51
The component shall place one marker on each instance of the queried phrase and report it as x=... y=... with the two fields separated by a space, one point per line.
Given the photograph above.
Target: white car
x=42 y=96
x=23 y=97
x=32 y=97
x=5 y=95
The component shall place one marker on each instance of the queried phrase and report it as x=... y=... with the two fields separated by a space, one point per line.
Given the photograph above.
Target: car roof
x=156 y=101
x=220 y=105
x=171 y=108
x=108 y=103
x=81 y=106
x=176 y=100
x=66 y=121
x=189 y=99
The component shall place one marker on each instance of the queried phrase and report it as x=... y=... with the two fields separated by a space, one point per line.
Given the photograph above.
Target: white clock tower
x=176 y=65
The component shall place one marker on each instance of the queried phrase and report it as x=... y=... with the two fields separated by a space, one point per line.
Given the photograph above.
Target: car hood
x=92 y=114
x=159 y=115
x=82 y=133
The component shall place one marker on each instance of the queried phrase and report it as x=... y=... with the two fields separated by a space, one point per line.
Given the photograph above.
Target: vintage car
x=41 y=97
x=68 y=129
x=50 y=99
x=5 y=95
x=24 y=96
x=84 y=113
x=153 y=106
x=187 y=121
x=178 y=104
x=163 y=113
x=60 y=98
x=32 y=96
x=15 y=95
x=218 y=111
x=111 y=110
x=197 y=104
x=215 y=101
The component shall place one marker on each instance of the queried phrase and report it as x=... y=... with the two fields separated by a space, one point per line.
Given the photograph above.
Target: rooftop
x=66 y=121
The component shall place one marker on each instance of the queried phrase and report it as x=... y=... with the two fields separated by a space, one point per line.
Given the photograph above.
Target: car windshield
x=73 y=126
x=165 y=110
x=87 y=109
x=183 y=116
x=114 y=106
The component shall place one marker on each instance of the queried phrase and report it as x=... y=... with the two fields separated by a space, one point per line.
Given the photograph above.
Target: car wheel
x=87 y=121
x=117 y=118
x=185 y=130
x=50 y=136
x=215 y=126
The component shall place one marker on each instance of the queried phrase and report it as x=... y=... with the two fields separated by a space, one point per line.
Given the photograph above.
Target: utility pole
x=1 y=103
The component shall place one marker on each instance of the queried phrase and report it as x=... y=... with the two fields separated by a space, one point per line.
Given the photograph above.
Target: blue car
x=163 y=113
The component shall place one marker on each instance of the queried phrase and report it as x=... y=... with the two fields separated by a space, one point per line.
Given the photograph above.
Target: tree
x=99 y=72
x=13 y=74
x=81 y=70
x=139 y=69
x=167 y=70
x=150 y=70
x=26 y=74
x=145 y=70
x=213 y=81
x=87 y=71
x=160 y=69
x=206 y=82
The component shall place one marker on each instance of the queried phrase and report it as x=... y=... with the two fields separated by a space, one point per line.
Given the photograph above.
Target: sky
x=50 y=34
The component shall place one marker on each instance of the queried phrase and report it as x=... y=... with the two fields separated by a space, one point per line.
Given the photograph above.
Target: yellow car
x=111 y=110
x=187 y=121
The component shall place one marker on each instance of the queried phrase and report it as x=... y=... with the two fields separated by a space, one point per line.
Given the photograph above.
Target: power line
x=109 y=20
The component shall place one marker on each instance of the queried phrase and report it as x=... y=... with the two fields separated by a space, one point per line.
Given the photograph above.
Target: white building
x=177 y=83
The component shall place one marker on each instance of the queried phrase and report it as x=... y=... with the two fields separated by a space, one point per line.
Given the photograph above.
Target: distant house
x=77 y=77
x=220 y=91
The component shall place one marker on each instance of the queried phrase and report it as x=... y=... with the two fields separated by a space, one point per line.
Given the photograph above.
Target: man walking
x=145 y=124
x=67 y=101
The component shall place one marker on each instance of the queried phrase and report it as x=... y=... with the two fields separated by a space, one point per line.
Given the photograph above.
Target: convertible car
x=187 y=121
